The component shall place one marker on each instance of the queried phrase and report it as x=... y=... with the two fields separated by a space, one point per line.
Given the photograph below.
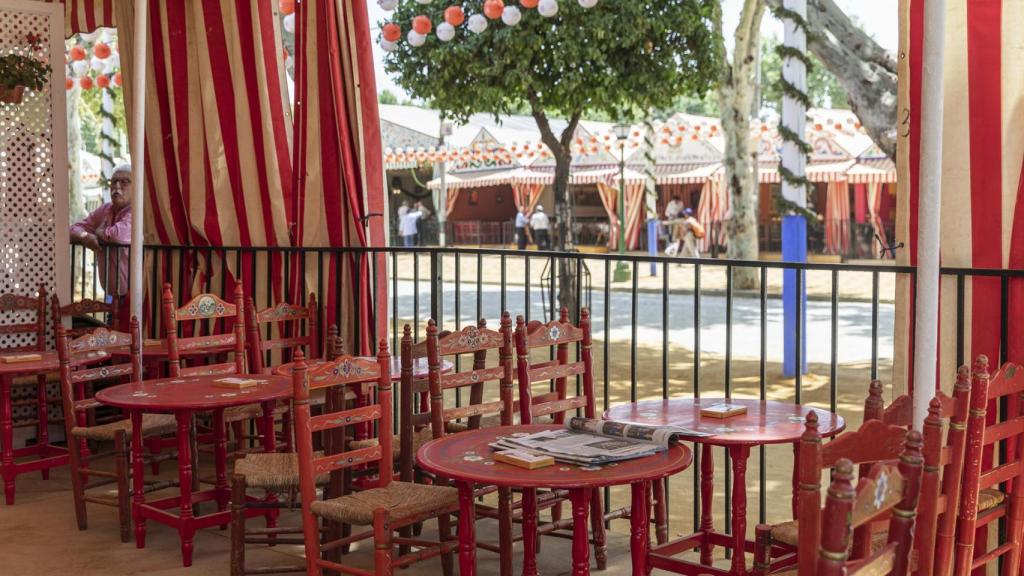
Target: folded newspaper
x=591 y=442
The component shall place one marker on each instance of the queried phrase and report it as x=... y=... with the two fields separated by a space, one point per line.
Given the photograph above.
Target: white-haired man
x=108 y=225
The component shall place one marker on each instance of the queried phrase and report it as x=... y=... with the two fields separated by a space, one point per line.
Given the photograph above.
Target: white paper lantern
x=289 y=23
x=388 y=5
x=92 y=37
x=445 y=32
x=115 y=60
x=79 y=67
x=424 y=1
x=477 y=23
x=96 y=64
x=387 y=45
x=588 y=3
x=547 y=8
x=108 y=67
x=511 y=15
x=415 y=39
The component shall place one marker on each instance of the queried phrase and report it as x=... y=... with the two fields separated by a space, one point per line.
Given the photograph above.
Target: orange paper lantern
x=529 y=3
x=69 y=83
x=77 y=53
x=103 y=81
x=101 y=51
x=454 y=15
x=117 y=78
x=494 y=8
x=391 y=32
x=422 y=25
x=85 y=83
x=286 y=6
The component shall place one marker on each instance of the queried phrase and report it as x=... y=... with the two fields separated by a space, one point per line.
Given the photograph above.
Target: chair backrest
x=887 y=490
x=74 y=382
x=86 y=308
x=1003 y=435
x=476 y=340
x=26 y=315
x=202 y=309
x=414 y=400
x=343 y=371
x=560 y=334
x=281 y=327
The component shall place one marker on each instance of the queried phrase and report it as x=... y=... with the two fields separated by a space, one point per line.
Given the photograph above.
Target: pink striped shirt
x=110 y=228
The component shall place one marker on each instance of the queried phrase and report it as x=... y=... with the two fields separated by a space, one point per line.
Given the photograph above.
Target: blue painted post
x=794 y=249
x=652 y=242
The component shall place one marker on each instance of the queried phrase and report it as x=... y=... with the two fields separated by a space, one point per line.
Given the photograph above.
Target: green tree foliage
x=387 y=97
x=92 y=121
x=823 y=87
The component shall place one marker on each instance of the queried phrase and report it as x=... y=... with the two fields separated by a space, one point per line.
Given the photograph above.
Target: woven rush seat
x=989 y=499
x=401 y=499
x=152 y=425
x=275 y=471
x=250 y=411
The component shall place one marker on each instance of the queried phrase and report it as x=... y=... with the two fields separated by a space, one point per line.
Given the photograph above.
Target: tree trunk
x=735 y=96
x=866 y=71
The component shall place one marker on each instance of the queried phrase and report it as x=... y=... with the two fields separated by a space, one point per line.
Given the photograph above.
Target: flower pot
x=12 y=95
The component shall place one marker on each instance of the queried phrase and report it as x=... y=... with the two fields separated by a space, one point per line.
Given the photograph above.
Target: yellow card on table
x=523 y=459
x=236 y=383
x=723 y=410
x=16 y=358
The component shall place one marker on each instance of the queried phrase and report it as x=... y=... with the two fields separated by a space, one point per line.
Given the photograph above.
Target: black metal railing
x=670 y=327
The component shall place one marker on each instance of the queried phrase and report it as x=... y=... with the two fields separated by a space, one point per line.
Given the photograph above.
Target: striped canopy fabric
x=982 y=186
x=837 y=218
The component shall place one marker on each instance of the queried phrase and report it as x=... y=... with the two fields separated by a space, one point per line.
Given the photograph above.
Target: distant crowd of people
x=533 y=229
x=684 y=229
x=409 y=216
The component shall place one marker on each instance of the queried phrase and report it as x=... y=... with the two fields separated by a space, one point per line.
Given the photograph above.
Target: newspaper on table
x=591 y=442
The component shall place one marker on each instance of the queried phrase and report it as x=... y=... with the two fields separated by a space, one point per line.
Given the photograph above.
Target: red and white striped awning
x=877 y=171
x=697 y=174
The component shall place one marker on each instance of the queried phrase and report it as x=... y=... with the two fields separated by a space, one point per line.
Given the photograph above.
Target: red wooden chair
x=98 y=314
x=78 y=404
x=476 y=340
x=556 y=403
x=780 y=545
x=281 y=327
x=982 y=501
x=385 y=507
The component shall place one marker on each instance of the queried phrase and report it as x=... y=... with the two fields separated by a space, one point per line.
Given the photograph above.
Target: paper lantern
x=388 y=45
x=422 y=25
x=415 y=39
x=529 y=3
x=454 y=15
x=85 y=82
x=445 y=32
x=387 y=5
x=101 y=51
x=79 y=67
x=547 y=8
x=588 y=3
x=511 y=15
x=77 y=53
x=286 y=6
x=392 y=32
x=494 y=8
x=477 y=23
x=289 y=23
x=117 y=79
x=96 y=64
x=69 y=83
x=103 y=81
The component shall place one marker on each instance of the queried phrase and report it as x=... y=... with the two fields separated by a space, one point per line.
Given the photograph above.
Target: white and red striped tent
x=982 y=187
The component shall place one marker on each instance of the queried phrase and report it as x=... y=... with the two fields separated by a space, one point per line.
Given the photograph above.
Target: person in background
x=408 y=227
x=673 y=208
x=522 y=229
x=692 y=231
x=404 y=209
x=109 y=224
x=540 y=224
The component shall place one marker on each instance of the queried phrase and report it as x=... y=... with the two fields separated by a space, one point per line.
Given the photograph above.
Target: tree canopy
x=823 y=88
x=613 y=59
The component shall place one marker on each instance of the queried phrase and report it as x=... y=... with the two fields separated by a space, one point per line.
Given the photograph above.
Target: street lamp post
x=621 y=131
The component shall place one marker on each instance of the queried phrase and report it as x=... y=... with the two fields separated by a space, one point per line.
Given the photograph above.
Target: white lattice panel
x=33 y=165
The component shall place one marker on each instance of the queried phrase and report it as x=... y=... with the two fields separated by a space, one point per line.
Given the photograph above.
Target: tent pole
x=138 y=145
x=926 y=322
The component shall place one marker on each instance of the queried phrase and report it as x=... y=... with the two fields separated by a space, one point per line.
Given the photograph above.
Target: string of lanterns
x=455 y=16
x=100 y=69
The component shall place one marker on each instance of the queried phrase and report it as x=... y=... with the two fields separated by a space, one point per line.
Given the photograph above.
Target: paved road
x=854 y=320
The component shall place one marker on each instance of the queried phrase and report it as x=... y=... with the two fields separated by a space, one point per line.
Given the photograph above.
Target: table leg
x=529 y=532
x=185 y=529
x=739 y=456
x=580 y=498
x=138 y=480
x=639 y=519
x=7 y=439
x=43 y=425
x=220 y=456
x=467 y=530
x=707 y=491
x=270 y=445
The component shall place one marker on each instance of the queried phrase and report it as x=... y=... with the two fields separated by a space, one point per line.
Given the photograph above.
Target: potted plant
x=19 y=72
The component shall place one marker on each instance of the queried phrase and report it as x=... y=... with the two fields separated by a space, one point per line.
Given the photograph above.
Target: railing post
x=436 y=286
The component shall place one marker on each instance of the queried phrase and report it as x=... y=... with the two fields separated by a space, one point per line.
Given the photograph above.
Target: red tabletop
x=466 y=456
x=419 y=366
x=193 y=393
x=48 y=363
x=766 y=422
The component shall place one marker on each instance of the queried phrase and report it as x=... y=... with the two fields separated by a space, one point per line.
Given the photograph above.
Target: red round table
x=48 y=456
x=184 y=397
x=419 y=366
x=463 y=458
x=765 y=422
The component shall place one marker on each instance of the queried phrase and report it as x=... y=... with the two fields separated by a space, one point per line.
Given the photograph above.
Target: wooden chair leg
x=286 y=431
x=382 y=543
x=597 y=527
x=444 y=530
x=123 y=491
x=660 y=512
x=238 y=525
x=78 y=483
x=43 y=418
x=505 y=530
x=238 y=432
x=154 y=447
x=762 y=550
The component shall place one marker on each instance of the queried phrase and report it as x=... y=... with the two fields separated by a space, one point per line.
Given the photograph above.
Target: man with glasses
x=106 y=226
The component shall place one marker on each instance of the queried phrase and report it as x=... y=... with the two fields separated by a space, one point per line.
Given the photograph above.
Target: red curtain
x=837 y=218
